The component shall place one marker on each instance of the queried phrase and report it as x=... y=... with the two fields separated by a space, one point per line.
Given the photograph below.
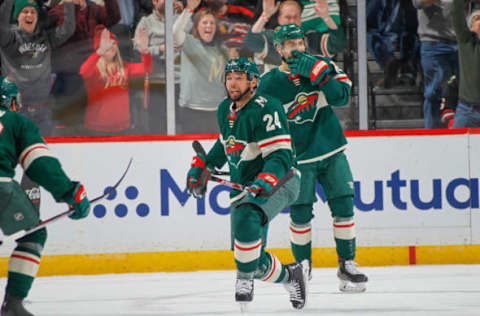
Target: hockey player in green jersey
x=21 y=142
x=255 y=142
x=308 y=86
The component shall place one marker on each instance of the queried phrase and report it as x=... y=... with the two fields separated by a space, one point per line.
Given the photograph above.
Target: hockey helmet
x=286 y=32
x=8 y=92
x=242 y=64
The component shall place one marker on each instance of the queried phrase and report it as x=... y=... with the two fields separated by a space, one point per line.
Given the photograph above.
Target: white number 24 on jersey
x=273 y=122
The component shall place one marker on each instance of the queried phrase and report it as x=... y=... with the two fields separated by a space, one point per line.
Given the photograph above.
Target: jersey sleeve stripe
x=343 y=78
x=325 y=45
x=33 y=152
x=267 y=141
x=283 y=140
x=275 y=143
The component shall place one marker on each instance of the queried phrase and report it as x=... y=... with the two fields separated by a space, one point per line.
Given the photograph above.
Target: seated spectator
x=25 y=50
x=68 y=90
x=202 y=65
x=390 y=22
x=151 y=118
x=439 y=54
x=467 y=28
x=106 y=78
x=260 y=41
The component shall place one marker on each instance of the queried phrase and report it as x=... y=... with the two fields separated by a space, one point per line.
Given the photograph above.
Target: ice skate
x=297 y=283
x=244 y=293
x=13 y=306
x=351 y=280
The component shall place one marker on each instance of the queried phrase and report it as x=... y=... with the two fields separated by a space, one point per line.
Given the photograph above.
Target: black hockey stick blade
x=200 y=150
x=50 y=220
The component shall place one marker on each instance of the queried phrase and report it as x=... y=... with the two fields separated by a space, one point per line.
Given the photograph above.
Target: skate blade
x=350 y=287
x=243 y=307
x=306 y=278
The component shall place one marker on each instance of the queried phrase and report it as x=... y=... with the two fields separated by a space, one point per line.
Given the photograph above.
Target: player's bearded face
x=237 y=85
x=290 y=45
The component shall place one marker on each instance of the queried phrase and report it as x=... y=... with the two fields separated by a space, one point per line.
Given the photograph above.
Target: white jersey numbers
x=273 y=122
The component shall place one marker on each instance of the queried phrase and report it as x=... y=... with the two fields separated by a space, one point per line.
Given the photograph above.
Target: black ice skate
x=244 y=293
x=13 y=306
x=297 y=283
x=351 y=280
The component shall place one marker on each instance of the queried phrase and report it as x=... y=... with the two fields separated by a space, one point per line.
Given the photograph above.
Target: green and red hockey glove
x=314 y=68
x=78 y=201
x=264 y=182
x=197 y=176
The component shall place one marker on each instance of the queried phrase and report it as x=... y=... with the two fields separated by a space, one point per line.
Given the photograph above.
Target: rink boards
x=417 y=202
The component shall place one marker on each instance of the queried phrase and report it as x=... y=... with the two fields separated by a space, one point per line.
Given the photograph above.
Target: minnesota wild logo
x=304 y=108
x=234 y=149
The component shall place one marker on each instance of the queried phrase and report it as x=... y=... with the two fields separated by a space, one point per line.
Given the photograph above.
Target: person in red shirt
x=106 y=78
x=68 y=89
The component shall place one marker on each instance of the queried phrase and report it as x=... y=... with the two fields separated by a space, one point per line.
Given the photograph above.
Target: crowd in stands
x=80 y=72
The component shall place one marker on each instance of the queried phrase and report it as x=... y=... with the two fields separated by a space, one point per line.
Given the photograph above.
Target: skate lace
x=351 y=267
x=295 y=291
x=243 y=286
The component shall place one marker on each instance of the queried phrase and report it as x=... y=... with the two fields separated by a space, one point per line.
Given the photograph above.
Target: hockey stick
x=55 y=218
x=287 y=176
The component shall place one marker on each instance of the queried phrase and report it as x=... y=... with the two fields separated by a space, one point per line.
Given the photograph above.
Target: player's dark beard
x=240 y=96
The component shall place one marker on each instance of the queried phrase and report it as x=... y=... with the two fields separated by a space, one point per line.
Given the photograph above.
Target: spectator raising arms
x=106 y=78
x=202 y=67
x=328 y=43
x=68 y=89
x=25 y=50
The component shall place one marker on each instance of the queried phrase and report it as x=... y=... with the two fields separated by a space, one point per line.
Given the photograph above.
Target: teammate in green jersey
x=21 y=142
x=255 y=142
x=308 y=86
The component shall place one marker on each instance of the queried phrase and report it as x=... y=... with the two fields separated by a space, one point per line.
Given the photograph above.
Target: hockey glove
x=78 y=201
x=314 y=68
x=264 y=183
x=197 y=176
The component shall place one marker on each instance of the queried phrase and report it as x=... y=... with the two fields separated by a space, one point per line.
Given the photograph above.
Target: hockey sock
x=270 y=269
x=344 y=233
x=247 y=231
x=301 y=241
x=24 y=263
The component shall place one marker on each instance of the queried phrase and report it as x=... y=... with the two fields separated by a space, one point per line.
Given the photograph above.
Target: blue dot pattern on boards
x=143 y=209
x=121 y=210
x=99 y=211
x=112 y=195
x=131 y=192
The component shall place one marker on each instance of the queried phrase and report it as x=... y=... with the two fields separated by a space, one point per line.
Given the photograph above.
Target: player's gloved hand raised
x=197 y=176
x=264 y=183
x=315 y=68
x=77 y=199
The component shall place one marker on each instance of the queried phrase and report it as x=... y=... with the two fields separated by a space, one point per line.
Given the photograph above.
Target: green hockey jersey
x=21 y=143
x=314 y=126
x=253 y=139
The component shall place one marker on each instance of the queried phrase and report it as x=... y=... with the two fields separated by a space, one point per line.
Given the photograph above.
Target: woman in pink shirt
x=107 y=77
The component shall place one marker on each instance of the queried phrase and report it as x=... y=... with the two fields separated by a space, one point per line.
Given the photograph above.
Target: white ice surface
x=407 y=290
